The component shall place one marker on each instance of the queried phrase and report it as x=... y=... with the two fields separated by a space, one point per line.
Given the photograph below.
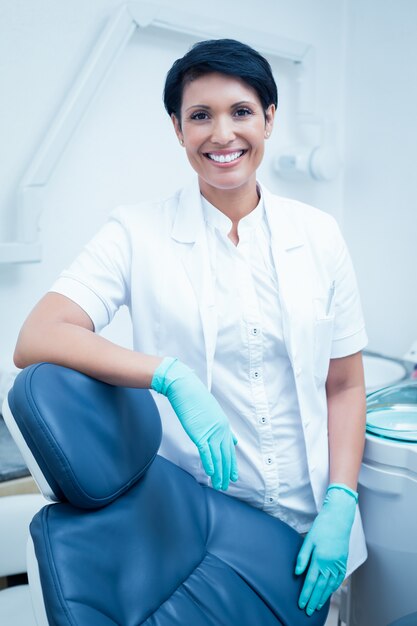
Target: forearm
x=326 y=546
x=346 y=424
x=81 y=349
x=59 y=331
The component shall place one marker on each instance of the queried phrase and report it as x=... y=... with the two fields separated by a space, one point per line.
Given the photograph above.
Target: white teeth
x=225 y=158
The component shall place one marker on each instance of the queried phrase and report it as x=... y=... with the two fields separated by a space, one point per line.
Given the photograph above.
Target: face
x=223 y=127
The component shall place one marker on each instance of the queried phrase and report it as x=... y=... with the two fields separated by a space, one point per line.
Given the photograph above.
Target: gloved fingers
x=304 y=555
x=327 y=592
x=320 y=586
x=309 y=584
x=205 y=456
x=233 y=461
x=216 y=457
x=225 y=449
x=332 y=585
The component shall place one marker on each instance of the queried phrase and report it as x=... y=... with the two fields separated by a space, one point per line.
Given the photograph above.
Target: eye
x=199 y=115
x=243 y=112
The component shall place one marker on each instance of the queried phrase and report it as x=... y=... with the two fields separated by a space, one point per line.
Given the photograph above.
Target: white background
x=125 y=150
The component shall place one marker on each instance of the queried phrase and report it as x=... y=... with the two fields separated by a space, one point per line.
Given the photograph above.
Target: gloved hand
x=201 y=417
x=326 y=547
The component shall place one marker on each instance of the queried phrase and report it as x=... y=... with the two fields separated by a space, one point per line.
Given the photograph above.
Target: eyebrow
x=207 y=108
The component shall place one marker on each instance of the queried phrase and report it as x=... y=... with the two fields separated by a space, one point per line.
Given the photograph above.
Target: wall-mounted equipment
x=321 y=163
x=113 y=40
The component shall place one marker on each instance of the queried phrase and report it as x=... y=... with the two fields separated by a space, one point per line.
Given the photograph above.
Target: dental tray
x=395 y=422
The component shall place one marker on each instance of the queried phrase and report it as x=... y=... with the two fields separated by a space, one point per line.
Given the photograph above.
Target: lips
x=225 y=157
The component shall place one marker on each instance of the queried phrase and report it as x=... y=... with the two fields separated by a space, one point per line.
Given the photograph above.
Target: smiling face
x=223 y=127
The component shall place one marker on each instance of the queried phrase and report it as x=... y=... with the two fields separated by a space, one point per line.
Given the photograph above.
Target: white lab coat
x=154 y=258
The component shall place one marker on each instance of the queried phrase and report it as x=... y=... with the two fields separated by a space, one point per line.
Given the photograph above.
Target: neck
x=234 y=203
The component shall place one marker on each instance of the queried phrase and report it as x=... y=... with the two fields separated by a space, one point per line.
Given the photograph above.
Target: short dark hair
x=226 y=56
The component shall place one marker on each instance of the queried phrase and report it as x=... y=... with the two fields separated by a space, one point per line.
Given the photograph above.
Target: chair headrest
x=91 y=440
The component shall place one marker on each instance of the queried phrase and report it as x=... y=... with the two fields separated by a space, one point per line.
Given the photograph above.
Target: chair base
x=16 y=607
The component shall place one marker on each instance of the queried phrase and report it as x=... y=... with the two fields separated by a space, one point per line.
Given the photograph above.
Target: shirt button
x=256 y=374
x=255 y=331
x=263 y=419
x=269 y=461
x=270 y=499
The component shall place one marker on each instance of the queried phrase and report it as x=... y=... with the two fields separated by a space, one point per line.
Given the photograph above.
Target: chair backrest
x=90 y=441
x=135 y=539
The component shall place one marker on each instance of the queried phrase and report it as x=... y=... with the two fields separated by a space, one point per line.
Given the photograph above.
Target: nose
x=222 y=130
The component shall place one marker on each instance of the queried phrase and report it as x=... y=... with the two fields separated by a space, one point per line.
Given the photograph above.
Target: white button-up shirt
x=252 y=375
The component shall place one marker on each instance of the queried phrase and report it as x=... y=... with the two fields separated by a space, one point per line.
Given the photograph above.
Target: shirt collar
x=285 y=224
x=216 y=219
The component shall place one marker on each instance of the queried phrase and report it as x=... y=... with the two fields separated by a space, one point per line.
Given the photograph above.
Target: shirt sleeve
x=349 y=334
x=98 y=279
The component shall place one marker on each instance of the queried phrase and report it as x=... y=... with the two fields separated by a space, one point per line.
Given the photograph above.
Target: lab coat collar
x=189 y=232
x=293 y=270
x=284 y=229
x=189 y=220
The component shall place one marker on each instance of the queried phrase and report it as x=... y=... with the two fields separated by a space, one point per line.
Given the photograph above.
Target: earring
x=267 y=134
x=181 y=142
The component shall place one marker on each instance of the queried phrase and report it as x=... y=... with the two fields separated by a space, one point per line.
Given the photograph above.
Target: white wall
x=124 y=149
x=380 y=206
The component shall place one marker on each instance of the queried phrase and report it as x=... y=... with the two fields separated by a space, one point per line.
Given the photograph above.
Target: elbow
x=22 y=356
x=26 y=351
x=19 y=358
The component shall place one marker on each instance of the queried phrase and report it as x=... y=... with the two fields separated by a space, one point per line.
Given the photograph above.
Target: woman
x=246 y=320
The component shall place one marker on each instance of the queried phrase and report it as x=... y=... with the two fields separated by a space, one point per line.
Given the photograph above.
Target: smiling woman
x=222 y=100
x=223 y=128
x=246 y=319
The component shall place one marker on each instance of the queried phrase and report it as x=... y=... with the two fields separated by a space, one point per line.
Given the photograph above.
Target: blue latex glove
x=201 y=417
x=326 y=548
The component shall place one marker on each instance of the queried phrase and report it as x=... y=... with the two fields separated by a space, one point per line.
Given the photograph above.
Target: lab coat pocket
x=323 y=335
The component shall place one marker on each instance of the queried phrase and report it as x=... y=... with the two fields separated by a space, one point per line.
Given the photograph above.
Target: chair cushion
x=407 y=620
x=168 y=552
x=61 y=412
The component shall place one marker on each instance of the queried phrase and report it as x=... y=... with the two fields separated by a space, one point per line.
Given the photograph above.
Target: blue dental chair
x=131 y=538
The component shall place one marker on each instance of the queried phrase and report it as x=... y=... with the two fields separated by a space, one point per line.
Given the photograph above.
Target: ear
x=177 y=128
x=269 y=119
